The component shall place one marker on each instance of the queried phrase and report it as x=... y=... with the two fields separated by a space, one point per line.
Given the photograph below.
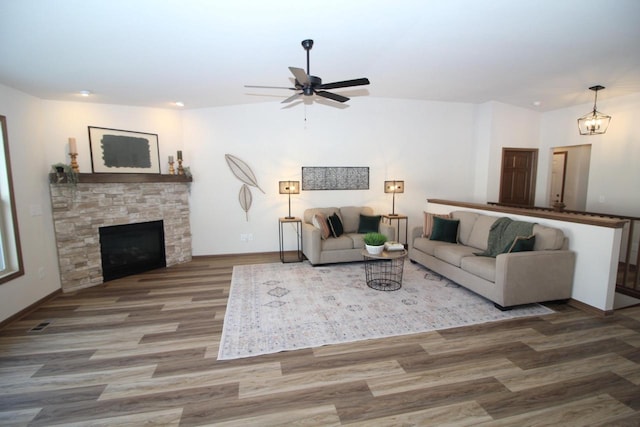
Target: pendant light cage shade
x=594 y=123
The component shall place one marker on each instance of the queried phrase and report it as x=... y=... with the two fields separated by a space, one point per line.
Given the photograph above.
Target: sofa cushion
x=445 y=230
x=548 y=238
x=427 y=225
x=479 y=236
x=320 y=222
x=337 y=243
x=350 y=216
x=480 y=266
x=369 y=223
x=427 y=246
x=358 y=240
x=335 y=224
x=467 y=219
x=521 y=244
x=453 y=254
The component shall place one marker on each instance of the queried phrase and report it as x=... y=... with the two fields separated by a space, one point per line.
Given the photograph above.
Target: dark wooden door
x=518 y=176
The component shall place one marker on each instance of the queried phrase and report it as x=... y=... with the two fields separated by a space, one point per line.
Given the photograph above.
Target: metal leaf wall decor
x=243 y=172
x=245 y=198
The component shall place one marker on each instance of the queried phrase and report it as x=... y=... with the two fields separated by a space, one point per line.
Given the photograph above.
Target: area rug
x=278 y=307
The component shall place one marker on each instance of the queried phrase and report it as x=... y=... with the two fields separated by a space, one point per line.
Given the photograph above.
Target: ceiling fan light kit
x=594 y=123
x=306 y=84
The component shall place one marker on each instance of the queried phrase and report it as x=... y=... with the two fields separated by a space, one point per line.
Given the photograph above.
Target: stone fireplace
x=80 y=210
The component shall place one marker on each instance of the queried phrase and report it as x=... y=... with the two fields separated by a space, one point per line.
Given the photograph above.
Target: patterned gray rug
x=277 y=307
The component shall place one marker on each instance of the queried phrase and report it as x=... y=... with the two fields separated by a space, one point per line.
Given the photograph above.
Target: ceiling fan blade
x=291 y=98
x=345 y=83
x=333 y=96
x=300 y=75
x=270 y=87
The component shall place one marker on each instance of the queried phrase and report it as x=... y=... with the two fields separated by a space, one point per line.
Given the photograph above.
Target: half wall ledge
x=588 y=219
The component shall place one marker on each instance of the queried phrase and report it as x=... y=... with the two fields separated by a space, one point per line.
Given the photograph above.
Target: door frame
x=533 y=170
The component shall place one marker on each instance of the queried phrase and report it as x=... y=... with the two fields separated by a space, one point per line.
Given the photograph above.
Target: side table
x=397 y=217
x=298 y=223
x=384 y=272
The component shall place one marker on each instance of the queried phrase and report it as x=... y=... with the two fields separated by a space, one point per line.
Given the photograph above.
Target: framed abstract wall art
x=123 y=151
x=335 y=178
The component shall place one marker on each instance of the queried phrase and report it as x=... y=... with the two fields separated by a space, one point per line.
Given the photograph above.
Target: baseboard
x=29 y=309
x=589 y=308
x=204 y=257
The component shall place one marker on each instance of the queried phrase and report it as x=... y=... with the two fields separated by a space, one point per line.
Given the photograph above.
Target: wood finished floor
x=142 y=351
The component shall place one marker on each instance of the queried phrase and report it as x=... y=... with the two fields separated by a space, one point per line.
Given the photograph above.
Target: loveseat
x=527 y=269
x=319 y=244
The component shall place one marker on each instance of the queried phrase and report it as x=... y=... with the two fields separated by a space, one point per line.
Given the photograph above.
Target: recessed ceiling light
x=179 y=104
x=536 y=103
x=85 y=92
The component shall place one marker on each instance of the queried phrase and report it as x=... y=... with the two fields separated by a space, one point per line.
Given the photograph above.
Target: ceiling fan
x=308 y=85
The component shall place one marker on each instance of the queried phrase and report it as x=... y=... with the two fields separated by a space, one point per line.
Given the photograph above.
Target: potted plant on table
x=374 y=242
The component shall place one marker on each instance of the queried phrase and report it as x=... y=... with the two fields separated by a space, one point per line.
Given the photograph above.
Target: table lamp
x=289 y=187
x=394 y=187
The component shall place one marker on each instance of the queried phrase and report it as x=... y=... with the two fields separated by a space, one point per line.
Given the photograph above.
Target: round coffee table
x=384 y=272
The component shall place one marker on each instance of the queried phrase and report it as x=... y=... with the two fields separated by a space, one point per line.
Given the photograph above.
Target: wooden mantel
x=102 y=178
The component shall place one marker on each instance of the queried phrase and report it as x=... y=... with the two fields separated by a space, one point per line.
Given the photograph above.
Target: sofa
x=322 y=247
x=540 y=270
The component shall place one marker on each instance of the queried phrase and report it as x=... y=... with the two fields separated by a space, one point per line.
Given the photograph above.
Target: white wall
x=29 y=166
x=507 y=126
x=38 y=135
x=62 y=120
x=429 y=145
x=614 y=175
x=441 y=150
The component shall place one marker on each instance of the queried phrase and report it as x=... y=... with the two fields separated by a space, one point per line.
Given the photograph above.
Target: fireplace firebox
x=131 y=249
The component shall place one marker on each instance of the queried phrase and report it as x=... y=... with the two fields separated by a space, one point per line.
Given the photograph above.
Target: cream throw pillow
x=319 y=221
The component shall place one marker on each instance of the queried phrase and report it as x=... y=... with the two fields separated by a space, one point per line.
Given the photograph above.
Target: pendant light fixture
x=594 y=123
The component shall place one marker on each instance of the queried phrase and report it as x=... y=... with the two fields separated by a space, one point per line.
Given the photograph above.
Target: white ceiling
x=203 y=52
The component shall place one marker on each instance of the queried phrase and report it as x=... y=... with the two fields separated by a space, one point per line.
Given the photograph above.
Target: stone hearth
x=80 y=210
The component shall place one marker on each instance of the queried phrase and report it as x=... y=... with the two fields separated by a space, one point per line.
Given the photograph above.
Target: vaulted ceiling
x=203 y=52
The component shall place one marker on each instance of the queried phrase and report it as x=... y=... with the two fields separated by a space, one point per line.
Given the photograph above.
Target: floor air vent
x=39 y=327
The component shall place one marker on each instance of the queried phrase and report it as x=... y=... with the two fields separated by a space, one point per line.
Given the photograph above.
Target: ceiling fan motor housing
x=313 y=82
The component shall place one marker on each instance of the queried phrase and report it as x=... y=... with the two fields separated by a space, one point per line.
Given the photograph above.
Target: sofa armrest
x=535 y=276
x=311 y=243
x=416 y=232
x=388 y=230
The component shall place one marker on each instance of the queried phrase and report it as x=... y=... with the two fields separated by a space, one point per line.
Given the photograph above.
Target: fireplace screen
x=131 y=249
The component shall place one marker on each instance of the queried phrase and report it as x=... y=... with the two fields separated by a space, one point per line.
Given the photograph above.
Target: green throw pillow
x=335 y=224
x=445 y=230
x=521 y=244
x=369 y=224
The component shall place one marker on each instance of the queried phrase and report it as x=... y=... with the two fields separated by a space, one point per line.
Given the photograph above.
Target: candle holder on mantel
x=74 y=162
x=180 y=168
x=172 y=171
